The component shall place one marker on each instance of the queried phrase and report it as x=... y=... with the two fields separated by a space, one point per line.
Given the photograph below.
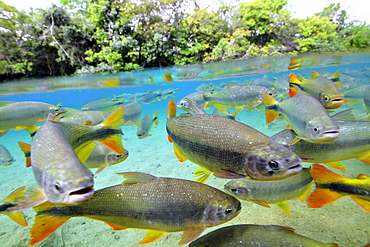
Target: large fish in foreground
x=273 y=192
x=19 y=115
x=305 y=115
x=59 y=173
x=227 y=148
x=158 y=204
x=249 y=235
x=353 y=142
x=331 y=186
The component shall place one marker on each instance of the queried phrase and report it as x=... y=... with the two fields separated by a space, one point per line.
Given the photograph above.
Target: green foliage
x=97 y=36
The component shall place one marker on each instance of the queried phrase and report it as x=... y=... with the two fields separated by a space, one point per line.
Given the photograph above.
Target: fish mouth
x=81 y=195
x=330 y=135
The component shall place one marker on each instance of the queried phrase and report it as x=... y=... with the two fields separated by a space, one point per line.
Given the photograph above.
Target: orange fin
x=262 y=203
x=26 y=149
x=152 y=236
x=322 y=197
x=293 y=79
x=179 y=156
x=18 y=217
x=314 y=74
x=271 y=115
x=190 y=234
x=167 y=77
x=114 y=143
x=336 y=165
x=321 y=174
x=44 y=226
x=115 y=119
x=169 y=139
x=363 y=202
x=116 y=227
x=365 y=158
x=171 y=109
x=32 y=198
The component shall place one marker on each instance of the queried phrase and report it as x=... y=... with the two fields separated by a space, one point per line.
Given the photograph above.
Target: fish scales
x=221 y=144
x=272 y=191
x=163 y=201
x=353 y=141
x=201 y=135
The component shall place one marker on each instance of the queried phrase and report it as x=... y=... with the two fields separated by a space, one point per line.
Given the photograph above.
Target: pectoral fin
x=32 y=198
x=152 y=236
x=202 y=173
x=284 y=206
x=190 y=234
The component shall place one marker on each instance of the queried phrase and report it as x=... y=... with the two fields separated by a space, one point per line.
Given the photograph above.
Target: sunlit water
x=343 y=222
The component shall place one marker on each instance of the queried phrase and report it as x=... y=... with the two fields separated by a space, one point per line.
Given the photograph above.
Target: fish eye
x=270 y=94
x=57 y=186
x=118 y=156
x=326 y=98
x=234 y=190
x=228 y=211
x=316 y=129
x=273 y=164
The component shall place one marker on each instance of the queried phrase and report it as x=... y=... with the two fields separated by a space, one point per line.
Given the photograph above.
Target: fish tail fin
x=321 y=174
x=115 y=119
x=26 y=149
x=115 y=143
x=155 y=116
x=321 y=196
x=269 y=102
x=171 y=109
x=17 y=216
x=44 y=224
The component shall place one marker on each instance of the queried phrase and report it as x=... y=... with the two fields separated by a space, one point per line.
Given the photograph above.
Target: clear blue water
x=343 y=222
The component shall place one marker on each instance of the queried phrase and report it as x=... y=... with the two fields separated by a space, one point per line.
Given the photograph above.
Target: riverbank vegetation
x=94 y=36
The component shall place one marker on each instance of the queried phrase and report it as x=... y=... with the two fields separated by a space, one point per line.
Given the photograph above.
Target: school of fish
x=68 y=142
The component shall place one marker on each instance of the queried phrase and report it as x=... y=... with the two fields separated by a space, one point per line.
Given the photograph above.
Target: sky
x=356 y=9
